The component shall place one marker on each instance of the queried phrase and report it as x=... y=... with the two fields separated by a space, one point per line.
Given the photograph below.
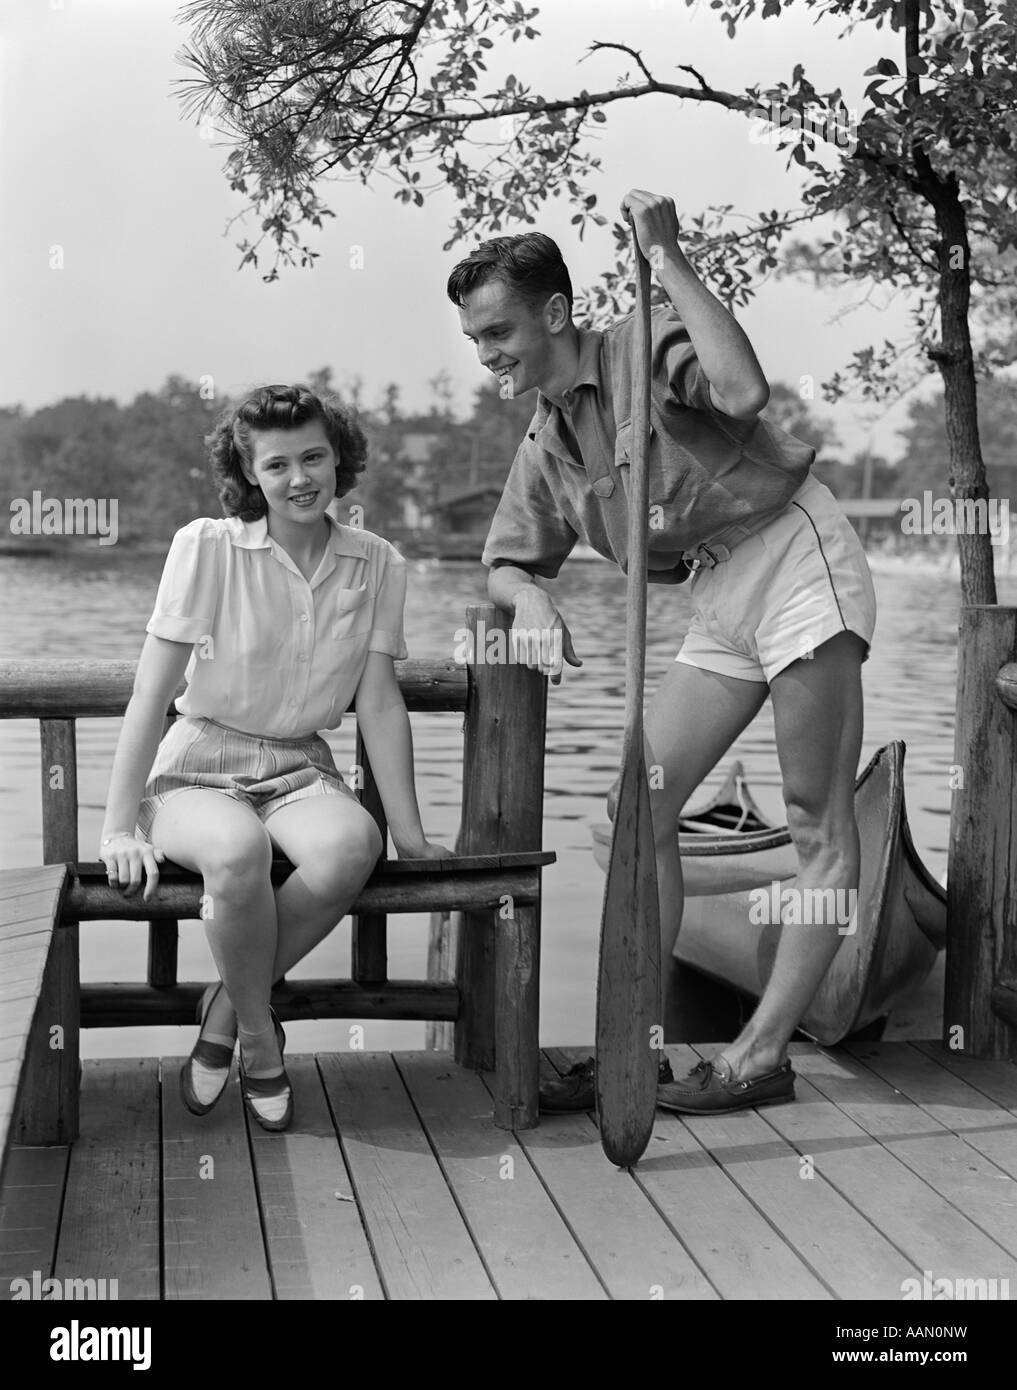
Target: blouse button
x=302 y=657
x=304 y=618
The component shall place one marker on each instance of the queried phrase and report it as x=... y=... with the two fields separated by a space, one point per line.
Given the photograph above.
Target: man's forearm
x=505 y=583
x=722 y=347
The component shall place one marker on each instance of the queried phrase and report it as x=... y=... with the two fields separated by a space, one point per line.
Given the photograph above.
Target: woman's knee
x=240 y=859
x=362 y=845
x=335 y=862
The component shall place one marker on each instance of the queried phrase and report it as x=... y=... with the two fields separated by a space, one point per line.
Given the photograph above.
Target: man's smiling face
x=512 y=339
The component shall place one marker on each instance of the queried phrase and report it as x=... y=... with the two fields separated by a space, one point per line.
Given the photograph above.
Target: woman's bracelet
x=117 y=835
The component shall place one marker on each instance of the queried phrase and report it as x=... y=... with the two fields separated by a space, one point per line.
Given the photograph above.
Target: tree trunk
x=956 y=366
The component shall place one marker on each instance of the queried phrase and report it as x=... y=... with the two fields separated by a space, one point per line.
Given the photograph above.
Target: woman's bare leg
x=334 y=844
x=224 y=841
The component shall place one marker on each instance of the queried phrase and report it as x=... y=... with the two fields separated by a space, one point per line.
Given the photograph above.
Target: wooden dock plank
x=923 y=1225
x=997 y=1080
x=316 y=1241
x=975 y=1186
x=16 y=992
x=716 y=1206
x=527 y=1248
x=20 y=886
x=988 y=1128
x=846 y=1251
x=208 y=1185
x=30 y=1201
x=422 y=1247
x=676 y=1228
x=112 y=1198
x=21 y=931
x=26 y=966
x=14 y=1022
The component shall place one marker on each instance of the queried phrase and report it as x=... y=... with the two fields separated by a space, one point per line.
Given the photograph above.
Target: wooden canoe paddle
x=628 y=982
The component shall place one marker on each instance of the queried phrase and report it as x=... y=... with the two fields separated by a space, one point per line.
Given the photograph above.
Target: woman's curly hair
x=277 y=408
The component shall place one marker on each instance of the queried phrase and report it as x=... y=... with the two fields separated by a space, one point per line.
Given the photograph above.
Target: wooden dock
x=394 y=1183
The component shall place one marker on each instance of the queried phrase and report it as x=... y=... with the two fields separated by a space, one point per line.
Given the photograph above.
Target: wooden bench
x=493 y=881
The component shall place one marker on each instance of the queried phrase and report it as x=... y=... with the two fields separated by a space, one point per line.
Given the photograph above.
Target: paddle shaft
x=639 y=507
x=628 y=979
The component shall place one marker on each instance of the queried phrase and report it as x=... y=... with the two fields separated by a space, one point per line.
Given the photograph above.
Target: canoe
x=732 y=811
x=734 y=879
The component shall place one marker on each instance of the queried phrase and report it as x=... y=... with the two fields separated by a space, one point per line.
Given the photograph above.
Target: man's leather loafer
x=576 y=1090
x=705 y=1091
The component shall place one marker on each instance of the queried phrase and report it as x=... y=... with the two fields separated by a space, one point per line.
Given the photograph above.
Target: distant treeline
x=150 y=456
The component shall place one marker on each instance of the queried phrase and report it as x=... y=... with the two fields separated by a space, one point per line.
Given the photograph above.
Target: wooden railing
x=504 y=726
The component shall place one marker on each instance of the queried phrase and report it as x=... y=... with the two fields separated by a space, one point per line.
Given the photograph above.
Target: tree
x=160 y=451
x=922 y=185
x=924 y=463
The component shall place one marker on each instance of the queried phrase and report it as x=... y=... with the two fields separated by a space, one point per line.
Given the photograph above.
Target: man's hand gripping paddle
x=628 y=983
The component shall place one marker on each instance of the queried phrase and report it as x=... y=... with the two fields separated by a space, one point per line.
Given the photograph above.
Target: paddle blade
x=628 y=985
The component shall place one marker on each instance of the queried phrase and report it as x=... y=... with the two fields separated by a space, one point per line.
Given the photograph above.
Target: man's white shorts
x=782 y=593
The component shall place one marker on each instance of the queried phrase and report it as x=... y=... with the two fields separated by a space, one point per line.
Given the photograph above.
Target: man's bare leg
x=817 y=709
x=692 y=720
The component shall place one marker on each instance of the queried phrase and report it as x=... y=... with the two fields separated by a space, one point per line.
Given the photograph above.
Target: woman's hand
x=426 y=849
x=127 y=859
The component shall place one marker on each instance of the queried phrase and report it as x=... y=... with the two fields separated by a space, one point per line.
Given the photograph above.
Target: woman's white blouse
x=273 y=653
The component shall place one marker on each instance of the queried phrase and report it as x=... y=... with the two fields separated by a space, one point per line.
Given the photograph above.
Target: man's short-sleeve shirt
x=274 y=653
x=708 y=471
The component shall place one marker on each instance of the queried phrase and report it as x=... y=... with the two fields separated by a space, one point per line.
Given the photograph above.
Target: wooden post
x=981 y=948
x=442 y=949
x=370 y=934
x=48 y=1112
x=162 y=954
x=503 y=790
x=517 y=957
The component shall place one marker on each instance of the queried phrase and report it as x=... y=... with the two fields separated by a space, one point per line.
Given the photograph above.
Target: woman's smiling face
x=295 y=470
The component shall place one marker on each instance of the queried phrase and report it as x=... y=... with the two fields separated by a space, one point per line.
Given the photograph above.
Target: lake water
x=95 y=605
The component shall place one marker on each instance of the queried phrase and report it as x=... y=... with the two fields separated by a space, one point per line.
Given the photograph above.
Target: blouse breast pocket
x=352 y=613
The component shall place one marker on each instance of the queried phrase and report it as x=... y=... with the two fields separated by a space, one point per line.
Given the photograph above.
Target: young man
x=782 y=595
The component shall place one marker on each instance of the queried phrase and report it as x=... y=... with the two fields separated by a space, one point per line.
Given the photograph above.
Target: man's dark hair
x=530 y=264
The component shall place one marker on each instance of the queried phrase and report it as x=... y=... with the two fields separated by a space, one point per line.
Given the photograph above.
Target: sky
x=96 y=158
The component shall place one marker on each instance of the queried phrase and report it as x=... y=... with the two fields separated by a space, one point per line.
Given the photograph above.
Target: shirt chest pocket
x=352 y=613
x=670 y=464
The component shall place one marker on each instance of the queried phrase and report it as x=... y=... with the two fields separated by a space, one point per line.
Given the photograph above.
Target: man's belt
x=706 y=556
x=718 y=549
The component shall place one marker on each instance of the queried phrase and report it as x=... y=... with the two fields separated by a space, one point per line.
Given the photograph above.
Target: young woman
x=282 y=618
